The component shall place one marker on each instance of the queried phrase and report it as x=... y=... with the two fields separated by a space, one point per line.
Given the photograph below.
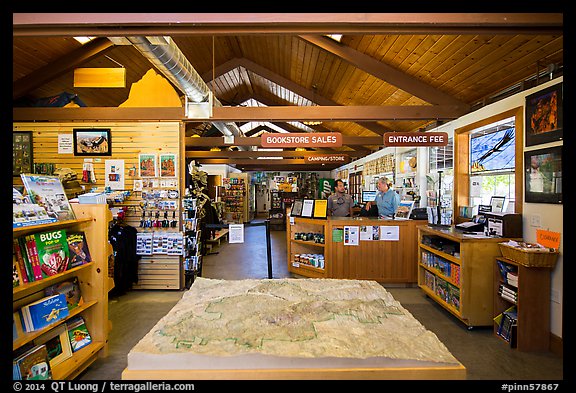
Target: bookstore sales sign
x=302 y=139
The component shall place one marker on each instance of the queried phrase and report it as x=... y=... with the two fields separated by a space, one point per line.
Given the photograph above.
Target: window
x=492 y=163
x=440 y=158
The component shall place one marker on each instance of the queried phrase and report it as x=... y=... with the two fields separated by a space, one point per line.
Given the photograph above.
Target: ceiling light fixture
x=312 y=123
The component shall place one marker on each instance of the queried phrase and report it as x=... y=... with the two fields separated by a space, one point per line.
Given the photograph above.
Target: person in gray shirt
x=339 y=203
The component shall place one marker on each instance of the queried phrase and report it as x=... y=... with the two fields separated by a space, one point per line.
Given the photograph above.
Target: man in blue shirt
x=387 y=199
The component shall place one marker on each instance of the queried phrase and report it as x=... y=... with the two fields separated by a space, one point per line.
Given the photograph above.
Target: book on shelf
x=57 y=344
x=78 y=249
x=70 y=289
x=28 y=214
x=51 y=250
x=512 y=279
x=32 y=365
x=33 y=259
x=43 y=312
x=22 y=256
x=16 y=275
x=48 y=192
x=509 y=320
x=78 y=333
x=505 y=268
x=20 y=261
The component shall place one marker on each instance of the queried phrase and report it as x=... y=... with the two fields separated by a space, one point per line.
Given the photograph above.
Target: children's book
x=57 y=344
x=43 y=312
x=33 y=365
x=21 y=243
x=16 y=276
x=48 y=192
x=78 y=333
x=70 y=289
x=78 y=248
x=20 y=261
x=32 y=252
x=52 y=250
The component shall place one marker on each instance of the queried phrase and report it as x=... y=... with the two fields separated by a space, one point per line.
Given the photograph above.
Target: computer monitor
x=368 y=196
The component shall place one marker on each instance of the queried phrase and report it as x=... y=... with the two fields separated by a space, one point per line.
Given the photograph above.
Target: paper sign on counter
x=390 y=233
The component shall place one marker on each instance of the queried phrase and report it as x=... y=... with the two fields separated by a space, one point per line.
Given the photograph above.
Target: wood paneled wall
x=128 y=140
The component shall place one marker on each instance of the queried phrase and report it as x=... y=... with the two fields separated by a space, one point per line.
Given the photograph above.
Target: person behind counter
x=387 y=200
x=339 y=203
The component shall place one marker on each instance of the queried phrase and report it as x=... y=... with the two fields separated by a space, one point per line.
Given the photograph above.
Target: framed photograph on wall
x=543 y=175
x=92 y=142
x=168 y=164
x=544 y=115
x=21 y=152
x=147 y=165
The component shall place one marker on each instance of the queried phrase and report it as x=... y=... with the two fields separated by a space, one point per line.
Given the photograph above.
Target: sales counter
x=364 y=248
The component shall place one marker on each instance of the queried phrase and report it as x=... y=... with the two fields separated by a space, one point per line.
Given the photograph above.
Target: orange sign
x=327 y=159
x=415 y=139
x=302 y=139
x=548 y=238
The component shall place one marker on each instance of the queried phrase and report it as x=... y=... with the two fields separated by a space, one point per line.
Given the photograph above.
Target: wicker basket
x=529 y=258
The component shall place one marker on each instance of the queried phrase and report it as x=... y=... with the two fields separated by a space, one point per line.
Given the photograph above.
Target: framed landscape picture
x=543 y=175
x=544 y=115
x=92 y=142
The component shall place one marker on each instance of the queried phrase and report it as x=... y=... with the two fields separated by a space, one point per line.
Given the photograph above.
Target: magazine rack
x=94 y=285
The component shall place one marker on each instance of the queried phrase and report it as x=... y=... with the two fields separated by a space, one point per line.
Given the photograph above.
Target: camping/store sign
x=415 y=139
x=302 y=139
x=327 y=159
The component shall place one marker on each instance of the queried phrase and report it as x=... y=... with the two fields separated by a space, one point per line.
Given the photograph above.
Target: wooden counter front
x=381 y=260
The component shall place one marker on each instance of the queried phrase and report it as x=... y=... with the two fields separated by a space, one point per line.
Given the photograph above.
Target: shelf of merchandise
x=533 y=306
x=93 y=219
x=295 y=246
x=470 y=300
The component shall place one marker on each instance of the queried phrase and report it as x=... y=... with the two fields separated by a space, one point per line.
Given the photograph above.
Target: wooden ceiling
x=390 y=72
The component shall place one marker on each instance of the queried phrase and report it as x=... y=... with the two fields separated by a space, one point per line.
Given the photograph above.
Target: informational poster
x=351 y=235
x=65 y=144
x=320 y=208
x=114 y=172
x=337 y=235
x=307 y=207
x=366 y=232
x=236 y=233
x=390 y=233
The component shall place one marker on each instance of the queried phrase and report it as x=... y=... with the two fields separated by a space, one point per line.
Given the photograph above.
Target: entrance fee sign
x=415 y=139
x=302 y=139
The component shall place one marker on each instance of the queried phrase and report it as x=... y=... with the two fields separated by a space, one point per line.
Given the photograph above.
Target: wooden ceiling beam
x=335 y=113
x=256 y=141
x=261 y=153
x=124 y=24
x=82 y=55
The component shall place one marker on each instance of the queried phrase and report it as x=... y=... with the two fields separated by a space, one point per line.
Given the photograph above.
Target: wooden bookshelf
x=532 y=332
x=471 y=298
x=93 y=220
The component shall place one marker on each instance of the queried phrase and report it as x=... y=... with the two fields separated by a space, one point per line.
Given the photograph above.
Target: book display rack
x=88 y=288
x=522 y=305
